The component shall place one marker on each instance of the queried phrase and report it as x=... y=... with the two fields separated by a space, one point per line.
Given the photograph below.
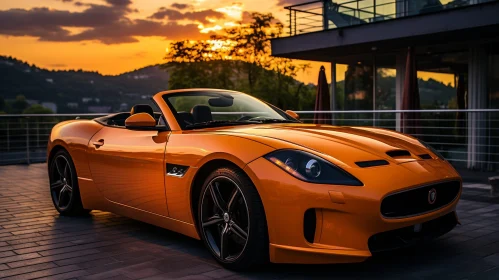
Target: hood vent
x=425 y=156
x=398 y=153
x=371 y=163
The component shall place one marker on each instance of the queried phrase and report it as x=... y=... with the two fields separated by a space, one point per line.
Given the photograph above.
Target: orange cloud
x=108 y=24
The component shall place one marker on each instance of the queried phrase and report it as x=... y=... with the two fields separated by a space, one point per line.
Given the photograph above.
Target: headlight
x=434 y=151
x=311 y=168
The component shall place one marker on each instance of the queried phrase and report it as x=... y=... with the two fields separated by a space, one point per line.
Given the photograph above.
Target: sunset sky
x=116 y=36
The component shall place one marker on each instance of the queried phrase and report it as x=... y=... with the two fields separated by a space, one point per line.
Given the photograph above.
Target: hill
x=77 y=91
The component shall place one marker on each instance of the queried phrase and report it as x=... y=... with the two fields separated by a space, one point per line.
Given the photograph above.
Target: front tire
x=232 y=220
x=64 y=188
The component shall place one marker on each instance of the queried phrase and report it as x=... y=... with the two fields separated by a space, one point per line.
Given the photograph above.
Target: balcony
x=327 y=14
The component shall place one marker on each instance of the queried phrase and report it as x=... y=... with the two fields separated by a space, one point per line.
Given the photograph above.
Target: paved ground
x=35 y=242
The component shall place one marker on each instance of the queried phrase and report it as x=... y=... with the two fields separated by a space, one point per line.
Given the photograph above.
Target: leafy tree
x=239 y=59
x=37 y=109
x=19 y=105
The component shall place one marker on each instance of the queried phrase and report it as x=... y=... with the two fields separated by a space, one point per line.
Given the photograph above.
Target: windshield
x=200 y=109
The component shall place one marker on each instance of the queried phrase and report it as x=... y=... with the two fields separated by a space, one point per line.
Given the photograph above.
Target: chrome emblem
x=432 y=196
x=226 y=217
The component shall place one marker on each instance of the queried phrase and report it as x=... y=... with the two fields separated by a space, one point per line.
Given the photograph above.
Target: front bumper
x=346 y=216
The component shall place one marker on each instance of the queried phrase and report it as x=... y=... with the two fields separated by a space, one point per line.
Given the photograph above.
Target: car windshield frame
x=217 y=123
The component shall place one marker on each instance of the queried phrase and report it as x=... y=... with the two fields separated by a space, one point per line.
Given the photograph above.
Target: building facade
x=369 y=44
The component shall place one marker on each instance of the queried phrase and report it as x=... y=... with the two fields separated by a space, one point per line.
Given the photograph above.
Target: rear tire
x=64 y=188
x=233 y=226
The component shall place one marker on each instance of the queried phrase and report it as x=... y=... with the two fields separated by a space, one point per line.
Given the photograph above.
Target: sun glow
x=235 y=11
x=209 y=29
x=220 y=45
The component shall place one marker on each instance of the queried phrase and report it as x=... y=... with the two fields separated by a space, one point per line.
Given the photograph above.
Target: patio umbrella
x=322 y=99
x=410 y=99
x=461 y=104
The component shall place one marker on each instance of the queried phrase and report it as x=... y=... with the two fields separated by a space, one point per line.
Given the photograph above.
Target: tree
x=239 y=59
x=19 y=105
x=37 y=109
x=2 y=103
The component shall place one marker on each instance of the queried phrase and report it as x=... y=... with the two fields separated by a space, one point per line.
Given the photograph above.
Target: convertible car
x=253 y=182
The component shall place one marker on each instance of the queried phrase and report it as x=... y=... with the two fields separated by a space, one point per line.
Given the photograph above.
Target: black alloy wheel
x=232 y=221
x=64 y=185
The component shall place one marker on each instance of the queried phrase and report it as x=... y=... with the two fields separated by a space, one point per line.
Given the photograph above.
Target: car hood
x=345 y=144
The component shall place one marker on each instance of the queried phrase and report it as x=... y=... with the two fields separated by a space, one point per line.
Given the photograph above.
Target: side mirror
x=293 y=114
x=140 y=121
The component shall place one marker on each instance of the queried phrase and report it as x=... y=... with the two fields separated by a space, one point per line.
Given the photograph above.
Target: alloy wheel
x=225 y=219
x=61 y=182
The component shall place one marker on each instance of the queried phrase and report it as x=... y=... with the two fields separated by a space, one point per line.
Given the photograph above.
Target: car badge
x=432 y=196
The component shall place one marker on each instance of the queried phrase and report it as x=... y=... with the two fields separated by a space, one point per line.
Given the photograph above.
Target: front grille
x=417 y=201
x=411 y=235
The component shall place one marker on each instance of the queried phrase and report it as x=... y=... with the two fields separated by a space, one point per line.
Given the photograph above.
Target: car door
x=128 y=167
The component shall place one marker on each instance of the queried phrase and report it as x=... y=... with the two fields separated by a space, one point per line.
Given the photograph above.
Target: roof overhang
x=460 y=25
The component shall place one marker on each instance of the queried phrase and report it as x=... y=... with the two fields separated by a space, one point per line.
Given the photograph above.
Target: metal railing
x=328 y=14
x=24 y=138
x=467 y=138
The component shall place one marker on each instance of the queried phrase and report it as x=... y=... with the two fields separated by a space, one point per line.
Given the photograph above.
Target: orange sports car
x=253 y=182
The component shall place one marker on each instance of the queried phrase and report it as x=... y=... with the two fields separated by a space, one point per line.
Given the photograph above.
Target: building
x=50 y=105
x=451 y=48
x=99 y=109
x=72 y=105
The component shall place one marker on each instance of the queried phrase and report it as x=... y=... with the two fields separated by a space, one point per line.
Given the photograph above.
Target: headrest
x=186 y=118
x=142 y=108
x=201 y=113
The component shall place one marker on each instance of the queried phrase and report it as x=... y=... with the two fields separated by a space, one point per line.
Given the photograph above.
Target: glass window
x=385 y=93
x=195 y=109
x=493 y=85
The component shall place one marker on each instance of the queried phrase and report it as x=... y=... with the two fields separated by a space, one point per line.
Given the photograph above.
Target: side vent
x=371 y=163
x=398 y=153
x=176 y=170
x=309 y=224
x=425 y=156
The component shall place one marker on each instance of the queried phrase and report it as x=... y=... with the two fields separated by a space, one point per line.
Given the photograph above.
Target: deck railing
x=321 y=15
x=467 y=138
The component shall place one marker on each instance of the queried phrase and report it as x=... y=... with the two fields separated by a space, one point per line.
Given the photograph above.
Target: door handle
x=99 y=143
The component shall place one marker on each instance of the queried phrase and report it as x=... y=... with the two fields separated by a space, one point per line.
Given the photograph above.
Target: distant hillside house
x=72 y=105
x=31 y=101
x=99 y=109
x=124 y=107
x=50 y=105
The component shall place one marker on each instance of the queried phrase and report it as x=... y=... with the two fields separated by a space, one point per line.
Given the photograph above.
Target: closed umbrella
x=322 y=100
x=410 y=99
x=461 y=104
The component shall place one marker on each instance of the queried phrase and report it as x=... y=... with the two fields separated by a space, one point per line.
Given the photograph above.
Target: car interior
x=118 y=119
x=198 y=114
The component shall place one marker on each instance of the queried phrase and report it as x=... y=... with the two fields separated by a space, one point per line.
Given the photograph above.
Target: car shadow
x=434 y=259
